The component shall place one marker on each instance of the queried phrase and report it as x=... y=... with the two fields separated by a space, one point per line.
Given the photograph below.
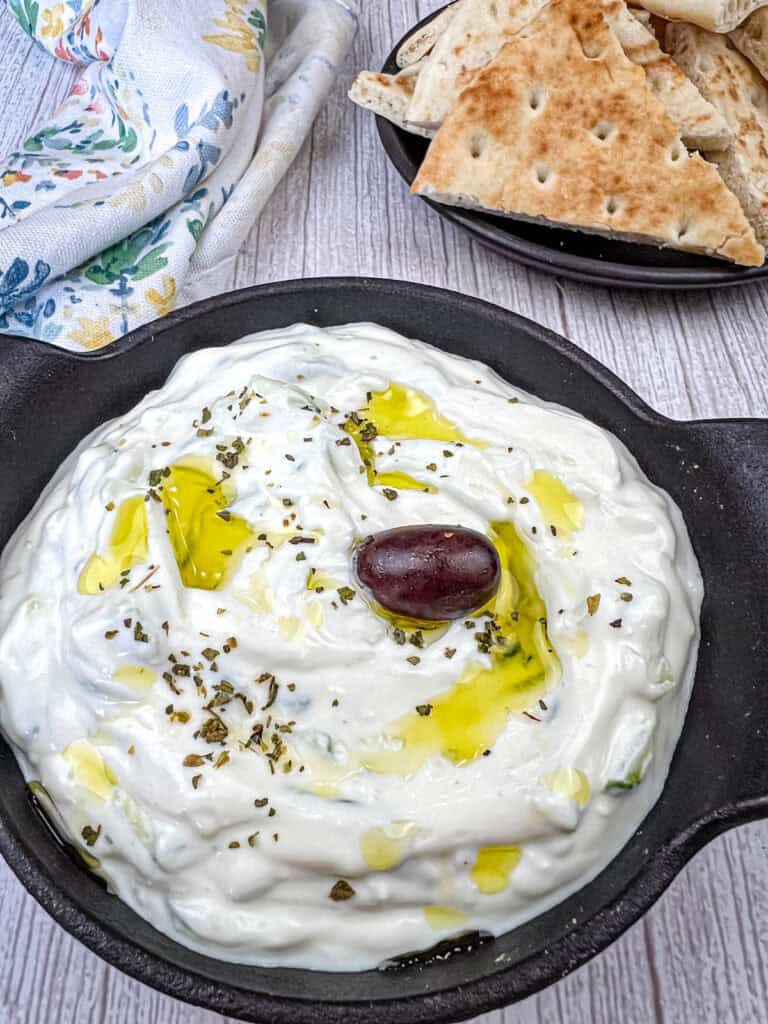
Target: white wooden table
x=701 y=955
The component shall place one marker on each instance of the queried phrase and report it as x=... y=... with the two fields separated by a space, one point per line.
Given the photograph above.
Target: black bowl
x=572 y=254
x=717 y=471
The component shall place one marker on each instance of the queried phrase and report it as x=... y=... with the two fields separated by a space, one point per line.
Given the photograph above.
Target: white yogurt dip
x=227 y=724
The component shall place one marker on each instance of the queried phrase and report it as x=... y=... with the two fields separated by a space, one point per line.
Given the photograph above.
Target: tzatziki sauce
x=260 y=760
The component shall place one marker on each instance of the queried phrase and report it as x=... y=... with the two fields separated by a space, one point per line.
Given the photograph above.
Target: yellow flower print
x=92 y=333
x=245 y=32
x=134 y=195
x=54 y=23
x=11 y=177
x=164 y=301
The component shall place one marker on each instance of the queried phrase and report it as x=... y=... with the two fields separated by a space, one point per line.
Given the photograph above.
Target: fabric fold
x=135 y=196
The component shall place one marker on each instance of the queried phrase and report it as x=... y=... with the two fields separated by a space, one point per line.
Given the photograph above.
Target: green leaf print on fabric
x=257 y=19
x=125 y=259
x=26 y=11
x=195 y=228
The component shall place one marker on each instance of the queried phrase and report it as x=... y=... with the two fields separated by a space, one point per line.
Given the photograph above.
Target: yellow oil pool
x=128 y=546
x=89 y=769
x=493 y=866
x=207 y=539
x=138 y=677
x=385 y=848
x=465 y=722
x=570 y=783
x=558 y=505
x=401 y=414
x=444 y=918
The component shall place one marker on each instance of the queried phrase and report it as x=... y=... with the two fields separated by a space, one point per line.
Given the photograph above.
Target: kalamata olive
x=429 y=572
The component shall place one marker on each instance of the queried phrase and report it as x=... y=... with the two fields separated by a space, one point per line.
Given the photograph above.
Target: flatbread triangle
x=469 y=34
x=751 y=38
x=389 y=95
x=561 y=128
x=699 y=124
x=469 y=40
x=419 y=44
x=736 y=88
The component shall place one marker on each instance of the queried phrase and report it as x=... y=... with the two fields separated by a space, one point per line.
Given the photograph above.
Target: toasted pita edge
x=694 y=49
x=419 y=44
x=471 y=39
x=388 y=96
x=735 y=250
x=751 y=38
x=643 y=16
x=699 y=123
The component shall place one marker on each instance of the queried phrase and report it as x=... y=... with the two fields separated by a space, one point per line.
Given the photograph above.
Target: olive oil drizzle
x=493 y=866
x=465 y=722
x=385 y=848
x=561 y=509
x=207 y=540
x=570 y=783
x=400 y=413
x=89 y=769
x=443 y=918
x=128 y=546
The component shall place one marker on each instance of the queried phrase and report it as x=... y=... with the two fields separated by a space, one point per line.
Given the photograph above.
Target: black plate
x=717 y=471
x=572 y=254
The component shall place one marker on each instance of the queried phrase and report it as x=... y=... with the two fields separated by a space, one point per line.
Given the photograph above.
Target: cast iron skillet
x=718 y=473
x=570 y=254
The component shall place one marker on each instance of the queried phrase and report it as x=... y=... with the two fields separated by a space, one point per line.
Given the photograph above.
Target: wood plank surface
x=699 y=957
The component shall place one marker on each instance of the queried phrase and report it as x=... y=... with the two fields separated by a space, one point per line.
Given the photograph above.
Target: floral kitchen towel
x=135 y=196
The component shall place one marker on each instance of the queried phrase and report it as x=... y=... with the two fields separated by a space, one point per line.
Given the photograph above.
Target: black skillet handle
x=720 y=773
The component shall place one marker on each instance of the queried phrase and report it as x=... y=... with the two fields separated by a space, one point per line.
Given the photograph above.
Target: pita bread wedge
x=652 y=22
x=562 y=129
x=420 y=43
x=388 y=95
x=478 y=30
x=472 y=38
x=739 y=92
x=700 y=125
x=751 y=38
x=714 y=15
x=644 y=17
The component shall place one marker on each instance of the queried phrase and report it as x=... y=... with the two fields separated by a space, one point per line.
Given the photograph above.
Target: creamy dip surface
x=260 y=761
